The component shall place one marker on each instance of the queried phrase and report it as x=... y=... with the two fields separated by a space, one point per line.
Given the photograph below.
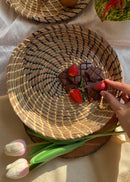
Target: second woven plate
x=35 y=91
x=50 y=12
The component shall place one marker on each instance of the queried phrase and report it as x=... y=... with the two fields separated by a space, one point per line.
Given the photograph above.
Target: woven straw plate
x=51 y=11
x=36 y=93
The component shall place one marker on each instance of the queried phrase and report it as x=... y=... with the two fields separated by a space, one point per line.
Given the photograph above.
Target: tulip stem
x=35 y=144
x=30 y=164
x=103 y=134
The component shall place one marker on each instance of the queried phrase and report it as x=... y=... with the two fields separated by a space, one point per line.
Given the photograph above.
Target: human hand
x=122 y=110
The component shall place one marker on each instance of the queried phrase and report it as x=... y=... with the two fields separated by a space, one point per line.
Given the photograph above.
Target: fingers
x=114 y=103
x=125 y=98
x=125 y=88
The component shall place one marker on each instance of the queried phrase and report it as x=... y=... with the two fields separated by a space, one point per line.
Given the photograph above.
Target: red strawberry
x=101 y=86
x=73 y=70
x=76 y=95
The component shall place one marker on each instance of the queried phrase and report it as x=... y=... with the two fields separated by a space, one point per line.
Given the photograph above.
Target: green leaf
x=51 y=140
x=82 y=81
x=36 y=150
x=34 y=166
x=82 y=89
x=83 y=97
x=44 y=150
x=54 y=152
x=31 y=132
x=35 y=144
x=90 y=137
x=112 y=128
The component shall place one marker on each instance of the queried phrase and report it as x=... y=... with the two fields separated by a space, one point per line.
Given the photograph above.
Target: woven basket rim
x=65 y=16
x=24 y=43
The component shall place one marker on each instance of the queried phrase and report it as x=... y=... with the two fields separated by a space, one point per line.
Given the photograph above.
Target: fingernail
x=106 y=80
x=102 y=93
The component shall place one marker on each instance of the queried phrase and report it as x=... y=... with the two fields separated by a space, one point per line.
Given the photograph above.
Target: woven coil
x=35 y=91
x=50 y=12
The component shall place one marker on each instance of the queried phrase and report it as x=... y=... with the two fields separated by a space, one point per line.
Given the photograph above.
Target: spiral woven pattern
x=51 y=11
x=35 y=91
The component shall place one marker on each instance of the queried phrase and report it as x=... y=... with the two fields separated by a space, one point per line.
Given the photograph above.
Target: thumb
x=113 y=102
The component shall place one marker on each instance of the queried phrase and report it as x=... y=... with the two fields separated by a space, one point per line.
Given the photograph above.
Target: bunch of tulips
x=43 y=151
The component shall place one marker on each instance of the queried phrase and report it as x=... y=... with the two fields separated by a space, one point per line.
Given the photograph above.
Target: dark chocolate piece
x=74 y=79
x=94 y=74
x=85 y=82
x=81 y=74
x=63 y=77
x=68 y=85
x=91 y=93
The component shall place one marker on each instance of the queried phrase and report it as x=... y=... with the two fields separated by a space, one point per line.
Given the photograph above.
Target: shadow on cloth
x=101 y=166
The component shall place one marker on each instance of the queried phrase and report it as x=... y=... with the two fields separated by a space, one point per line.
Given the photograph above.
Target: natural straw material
x=48 y=12
x=36 y=93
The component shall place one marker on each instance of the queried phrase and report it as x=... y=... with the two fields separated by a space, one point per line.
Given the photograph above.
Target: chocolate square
x=81 y=74
x=63 y=77
x=94 y=74
x=75 y=79
x=68 y=85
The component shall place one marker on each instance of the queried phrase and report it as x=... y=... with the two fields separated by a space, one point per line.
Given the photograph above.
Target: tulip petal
x=15 y=148
x=17 y=169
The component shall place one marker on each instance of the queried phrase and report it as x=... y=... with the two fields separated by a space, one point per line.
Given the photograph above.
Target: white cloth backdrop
x=96 y=168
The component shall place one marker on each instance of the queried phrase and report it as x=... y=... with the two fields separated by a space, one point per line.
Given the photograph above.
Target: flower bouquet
x=113 y=10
